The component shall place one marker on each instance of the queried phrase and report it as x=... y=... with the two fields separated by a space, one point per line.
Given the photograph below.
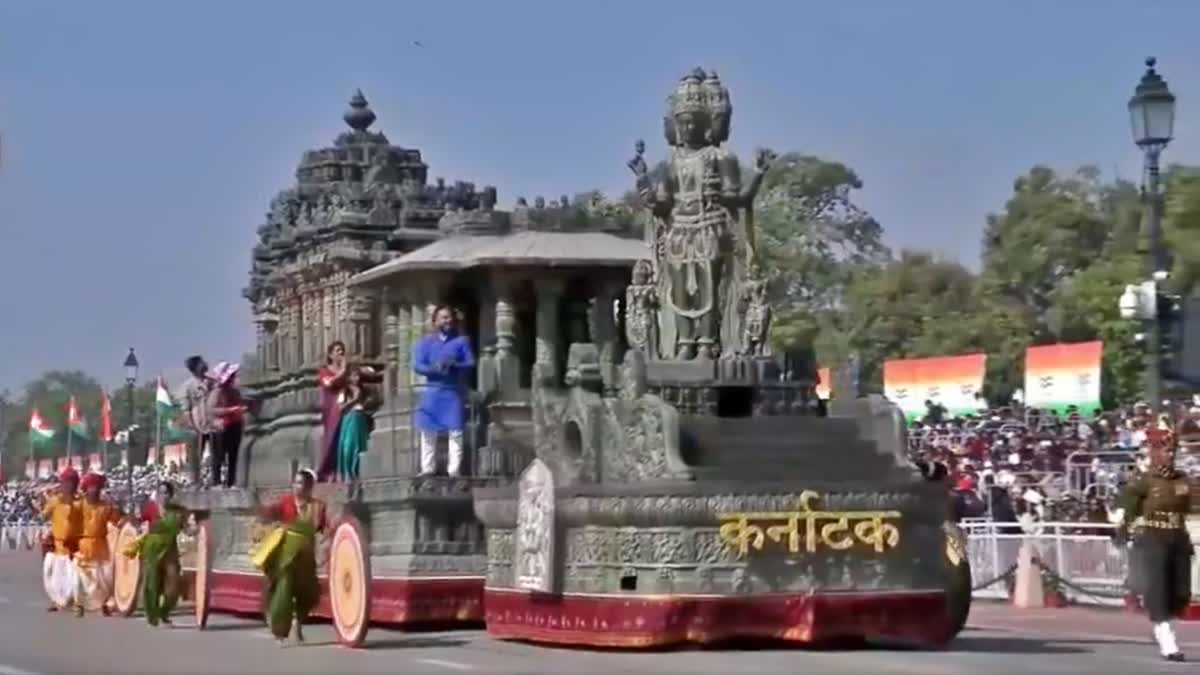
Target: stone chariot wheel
x=350 y=582
x=958 y=581
x=127 y=572
x=202 y=588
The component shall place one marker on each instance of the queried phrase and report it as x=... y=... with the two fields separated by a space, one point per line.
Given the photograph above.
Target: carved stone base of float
x=409 y=601
x=632 y=621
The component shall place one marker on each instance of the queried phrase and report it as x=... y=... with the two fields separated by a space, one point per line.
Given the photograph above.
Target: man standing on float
x=444 y=358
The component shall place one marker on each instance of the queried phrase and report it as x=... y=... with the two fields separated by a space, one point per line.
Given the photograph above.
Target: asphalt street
x=1000 y=641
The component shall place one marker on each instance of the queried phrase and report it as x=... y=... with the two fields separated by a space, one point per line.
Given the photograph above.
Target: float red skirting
x=410 y=600
x=632 y=622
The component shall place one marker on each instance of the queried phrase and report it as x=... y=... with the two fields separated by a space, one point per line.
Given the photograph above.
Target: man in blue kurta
x=444 y=358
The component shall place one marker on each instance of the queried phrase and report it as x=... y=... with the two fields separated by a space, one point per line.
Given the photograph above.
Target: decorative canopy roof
x=524 y=249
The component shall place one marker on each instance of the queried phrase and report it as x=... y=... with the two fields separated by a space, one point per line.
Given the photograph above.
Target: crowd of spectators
x=20 y=502
x=1018 y=463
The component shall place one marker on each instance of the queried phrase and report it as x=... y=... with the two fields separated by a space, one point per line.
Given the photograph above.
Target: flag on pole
x=162 y=400
x=39 y=431
x=76 y=423
x=106 y=430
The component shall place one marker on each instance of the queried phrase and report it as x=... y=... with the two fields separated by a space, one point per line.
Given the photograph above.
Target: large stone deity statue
x=701 y=233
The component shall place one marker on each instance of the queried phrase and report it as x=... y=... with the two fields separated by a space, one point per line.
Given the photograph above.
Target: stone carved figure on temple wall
x=702 y=230
x=641 y=311
x=534 y=563
x=756 y=314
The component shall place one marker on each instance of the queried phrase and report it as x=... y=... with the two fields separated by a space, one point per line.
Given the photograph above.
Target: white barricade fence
x=21 y=537
x=1080 y=560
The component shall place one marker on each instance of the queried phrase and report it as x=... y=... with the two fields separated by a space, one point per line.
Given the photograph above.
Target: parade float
x=640 y=473
x=685 y=492
x=360 y=250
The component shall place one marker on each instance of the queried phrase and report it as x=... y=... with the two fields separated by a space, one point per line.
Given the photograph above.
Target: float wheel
x=350 y=582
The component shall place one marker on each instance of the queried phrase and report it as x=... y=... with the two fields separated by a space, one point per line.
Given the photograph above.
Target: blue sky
x=143 y=140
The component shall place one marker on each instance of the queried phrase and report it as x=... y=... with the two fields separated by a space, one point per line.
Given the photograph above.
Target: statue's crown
x=700 y=92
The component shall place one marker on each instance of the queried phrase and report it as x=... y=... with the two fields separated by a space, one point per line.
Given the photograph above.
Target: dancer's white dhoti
x=60 y=577
x=95 y=584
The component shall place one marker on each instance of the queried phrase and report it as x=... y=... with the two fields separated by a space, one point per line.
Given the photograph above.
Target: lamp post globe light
x=131 y=376
x=1152 y=121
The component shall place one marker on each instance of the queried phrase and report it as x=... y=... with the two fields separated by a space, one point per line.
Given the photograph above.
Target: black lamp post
x=131 y=373
x=1152 y=116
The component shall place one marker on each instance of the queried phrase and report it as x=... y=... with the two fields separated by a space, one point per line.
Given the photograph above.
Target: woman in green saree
x=288 y=558
x=159 y=552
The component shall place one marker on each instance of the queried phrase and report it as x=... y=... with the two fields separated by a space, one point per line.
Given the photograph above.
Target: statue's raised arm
x=763 y=159
x=653 y=197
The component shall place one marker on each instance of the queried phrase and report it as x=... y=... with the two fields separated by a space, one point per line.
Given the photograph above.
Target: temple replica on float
x=640 y=471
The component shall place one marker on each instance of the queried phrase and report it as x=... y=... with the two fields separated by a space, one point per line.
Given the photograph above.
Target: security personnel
x=1157 y=503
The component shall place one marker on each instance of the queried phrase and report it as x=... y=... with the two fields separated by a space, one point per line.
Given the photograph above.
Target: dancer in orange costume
x=93 y=560
x=66 y=525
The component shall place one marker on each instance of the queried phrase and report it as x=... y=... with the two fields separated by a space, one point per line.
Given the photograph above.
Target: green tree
x=1050 y=228
x=813 y=242
x=916 y=305
x=1181 y=224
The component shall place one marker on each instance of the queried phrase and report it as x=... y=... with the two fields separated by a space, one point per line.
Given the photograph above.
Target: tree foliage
x=1054 y=261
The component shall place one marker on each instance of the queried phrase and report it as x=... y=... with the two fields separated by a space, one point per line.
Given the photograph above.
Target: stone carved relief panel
x=535 y=551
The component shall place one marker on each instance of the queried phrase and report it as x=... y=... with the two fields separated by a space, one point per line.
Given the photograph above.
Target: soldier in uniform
x=1157 y=503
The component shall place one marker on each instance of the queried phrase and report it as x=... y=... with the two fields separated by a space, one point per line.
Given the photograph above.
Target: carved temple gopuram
x=640 y=472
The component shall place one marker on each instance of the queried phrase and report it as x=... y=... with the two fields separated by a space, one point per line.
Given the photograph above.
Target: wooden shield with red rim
x=350 y=582
x=201 y=589
x=114 y=533
x=127 y=572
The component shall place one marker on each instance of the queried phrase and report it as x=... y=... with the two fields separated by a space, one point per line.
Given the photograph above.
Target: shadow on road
x=222 y=627
x=1015 y=645
x=414 y=642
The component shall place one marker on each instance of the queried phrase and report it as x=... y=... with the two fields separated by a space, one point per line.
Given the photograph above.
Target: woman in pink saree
x=331 y=378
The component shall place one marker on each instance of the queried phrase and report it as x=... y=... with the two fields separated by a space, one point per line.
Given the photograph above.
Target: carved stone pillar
x=391 y=349
x=268 y=352
x=361 y=313
x=417 y=328
x=549 y=295
x=507 y=363
x=603 y=328
x=403 y=348
x=328 y=323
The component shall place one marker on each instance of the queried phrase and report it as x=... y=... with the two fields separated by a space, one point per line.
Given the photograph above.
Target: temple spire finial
x=359 y=116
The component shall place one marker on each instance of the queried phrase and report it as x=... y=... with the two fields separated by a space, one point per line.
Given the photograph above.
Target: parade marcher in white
x=59 y=574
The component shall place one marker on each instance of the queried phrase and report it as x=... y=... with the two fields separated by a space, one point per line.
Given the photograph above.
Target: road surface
x=1000 y=641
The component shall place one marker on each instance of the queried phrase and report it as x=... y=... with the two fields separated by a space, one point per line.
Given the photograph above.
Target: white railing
x=1090 y=568
x=21 y=537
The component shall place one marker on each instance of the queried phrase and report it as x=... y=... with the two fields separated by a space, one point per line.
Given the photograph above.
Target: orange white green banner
x=824 y=386
x=952 y=382
x=1060 y=376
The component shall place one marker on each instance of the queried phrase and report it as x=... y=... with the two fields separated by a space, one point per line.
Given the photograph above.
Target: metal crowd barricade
x=15 y=538
x=1080 y=559
x=1112 y=464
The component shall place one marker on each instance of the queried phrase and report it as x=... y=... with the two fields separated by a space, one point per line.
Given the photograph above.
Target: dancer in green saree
x=159 y=553
x=288 y=557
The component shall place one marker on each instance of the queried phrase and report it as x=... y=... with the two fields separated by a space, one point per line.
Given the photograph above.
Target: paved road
x=1001 y=641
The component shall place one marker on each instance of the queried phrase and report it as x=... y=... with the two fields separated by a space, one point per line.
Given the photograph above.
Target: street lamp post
x=131 y=373
x=1152 y=117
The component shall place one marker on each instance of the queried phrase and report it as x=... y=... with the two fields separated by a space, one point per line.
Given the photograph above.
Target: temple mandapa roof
x=527 y=248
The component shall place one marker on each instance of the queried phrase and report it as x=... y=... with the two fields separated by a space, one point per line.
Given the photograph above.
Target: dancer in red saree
x=331 y=378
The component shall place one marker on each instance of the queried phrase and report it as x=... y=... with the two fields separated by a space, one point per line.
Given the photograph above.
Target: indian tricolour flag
x=39 y=431
x=1064 y=375
x=162 y=400
x=952 y=382
x=824 y=386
